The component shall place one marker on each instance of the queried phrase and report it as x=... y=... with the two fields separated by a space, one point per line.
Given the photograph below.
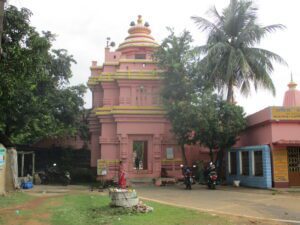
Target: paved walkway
x=252 y=203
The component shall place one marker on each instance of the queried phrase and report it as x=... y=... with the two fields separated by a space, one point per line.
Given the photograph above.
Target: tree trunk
x=219 y=162
x=230 y=92
x=1 y=23
x=183 y=154
x=211 y=155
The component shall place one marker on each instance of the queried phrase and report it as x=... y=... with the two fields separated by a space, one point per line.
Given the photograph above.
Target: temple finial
x=292 y=85
x=139 y=21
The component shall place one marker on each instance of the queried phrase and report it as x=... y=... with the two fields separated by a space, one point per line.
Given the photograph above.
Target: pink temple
x=128 y=122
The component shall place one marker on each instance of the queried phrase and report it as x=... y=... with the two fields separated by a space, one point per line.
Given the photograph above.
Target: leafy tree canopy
x=35 y=99
x=175 y=56
x=231 y=56
x=196 y=114
x=218 y=123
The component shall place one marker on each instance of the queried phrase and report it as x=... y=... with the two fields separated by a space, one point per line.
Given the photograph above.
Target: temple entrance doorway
x=294 y=165
x=140 y=155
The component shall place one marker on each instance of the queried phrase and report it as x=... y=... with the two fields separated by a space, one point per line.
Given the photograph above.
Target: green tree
x=196 y=114
x=218 y=124
x=231 y=56
x=176 y=58
x=35 y=99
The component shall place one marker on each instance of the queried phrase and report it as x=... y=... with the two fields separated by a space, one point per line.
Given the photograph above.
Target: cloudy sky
x=82 y=28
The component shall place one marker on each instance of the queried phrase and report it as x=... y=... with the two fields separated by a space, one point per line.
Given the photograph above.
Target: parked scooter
x=212 y=176
x=188 y=177
x=54 y=174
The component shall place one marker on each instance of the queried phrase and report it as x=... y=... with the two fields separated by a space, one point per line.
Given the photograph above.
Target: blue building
x=250 y=165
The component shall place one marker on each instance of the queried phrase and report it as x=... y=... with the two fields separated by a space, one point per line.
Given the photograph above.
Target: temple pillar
x=97 y=93
x=157 y=145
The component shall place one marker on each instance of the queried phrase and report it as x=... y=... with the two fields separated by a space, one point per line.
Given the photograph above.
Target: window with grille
x=245 y=163
x=232 y=160
x=294 y=159
x=258 y=163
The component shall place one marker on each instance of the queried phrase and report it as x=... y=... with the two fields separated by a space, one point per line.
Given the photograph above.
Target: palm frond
x=268 y=54
x=202 y=49
x=261 y=71
x=204 y=24
x=219 y=20
x=245 y=88
x=229 y=55
x=273 y=27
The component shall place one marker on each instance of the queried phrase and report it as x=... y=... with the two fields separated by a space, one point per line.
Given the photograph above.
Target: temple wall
x=109 y=69
x=95 y=148
x=285 y=131
x=256 y=135
x=74 y=142
x=110 y=94
x=125 y=97
x=97 y=94
x=259 y=117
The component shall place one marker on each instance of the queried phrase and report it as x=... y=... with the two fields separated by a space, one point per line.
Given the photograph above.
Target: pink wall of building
x=265 y=128
x=278 y=127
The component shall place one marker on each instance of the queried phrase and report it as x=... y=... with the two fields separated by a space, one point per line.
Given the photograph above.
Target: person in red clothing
x=122 y=179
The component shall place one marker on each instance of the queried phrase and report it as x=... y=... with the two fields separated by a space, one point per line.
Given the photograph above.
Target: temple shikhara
x=128 y=122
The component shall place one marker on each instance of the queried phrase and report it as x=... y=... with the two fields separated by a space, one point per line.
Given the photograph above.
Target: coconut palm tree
x=231 y=56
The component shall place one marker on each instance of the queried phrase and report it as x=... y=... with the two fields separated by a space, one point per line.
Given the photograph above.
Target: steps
x=137 y=181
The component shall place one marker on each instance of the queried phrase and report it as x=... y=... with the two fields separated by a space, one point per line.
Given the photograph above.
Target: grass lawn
x=14 y=199
x=92 y=209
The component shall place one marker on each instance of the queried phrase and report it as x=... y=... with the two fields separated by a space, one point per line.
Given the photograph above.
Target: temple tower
x=292 y=96
x=128 y=122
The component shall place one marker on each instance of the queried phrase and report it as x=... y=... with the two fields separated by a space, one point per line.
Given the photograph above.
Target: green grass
x=14 y=199
x=94 y=209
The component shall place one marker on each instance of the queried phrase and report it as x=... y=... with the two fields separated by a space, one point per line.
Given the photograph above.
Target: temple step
x=141 y=180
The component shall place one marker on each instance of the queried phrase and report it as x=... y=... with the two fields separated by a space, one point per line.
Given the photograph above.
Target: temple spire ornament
x=292 y=85
x=139 y=21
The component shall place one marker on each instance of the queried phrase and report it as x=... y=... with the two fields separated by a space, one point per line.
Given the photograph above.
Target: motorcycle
x=212 y=180
x=188 y=177
x=212 y=176
x=54 y=174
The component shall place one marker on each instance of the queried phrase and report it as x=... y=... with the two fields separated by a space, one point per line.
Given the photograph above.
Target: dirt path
x=30 y=213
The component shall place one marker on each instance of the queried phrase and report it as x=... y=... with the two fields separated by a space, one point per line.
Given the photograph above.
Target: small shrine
x=268 y=151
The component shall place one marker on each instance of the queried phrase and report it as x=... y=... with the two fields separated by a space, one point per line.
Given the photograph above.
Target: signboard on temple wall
x=102 y=167
x=2 y=158
x=170 y=153
x=285 y=113
x=280 y=165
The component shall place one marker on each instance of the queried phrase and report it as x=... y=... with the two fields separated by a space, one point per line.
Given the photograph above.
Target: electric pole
x=1 y=23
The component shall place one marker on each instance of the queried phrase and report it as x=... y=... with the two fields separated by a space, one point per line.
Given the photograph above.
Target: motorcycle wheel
x=65 y=181
x=45 y=181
